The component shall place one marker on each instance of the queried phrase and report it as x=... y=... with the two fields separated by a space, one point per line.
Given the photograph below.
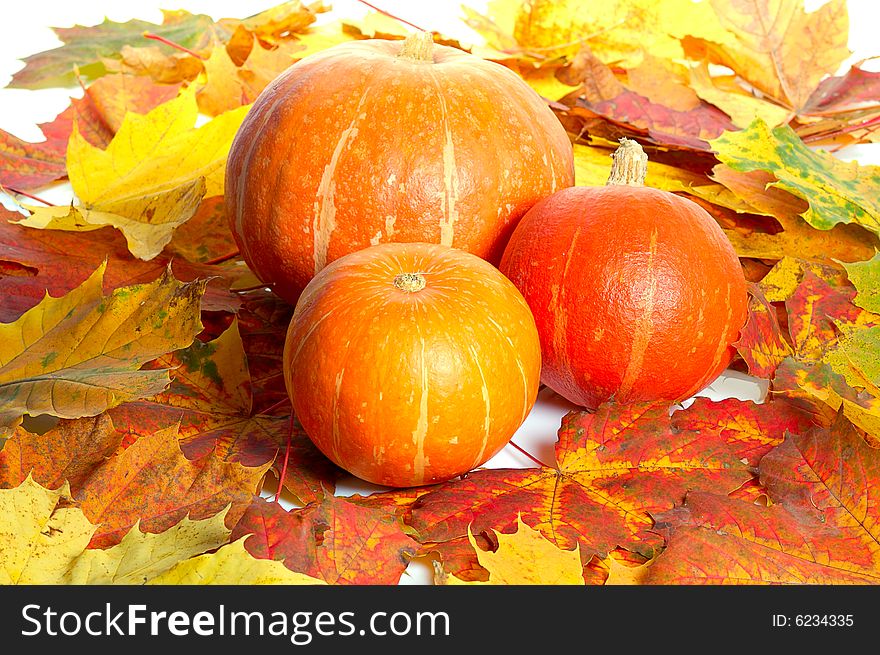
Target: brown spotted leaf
x=68 y=452
x=333 y=540
x=152 y=482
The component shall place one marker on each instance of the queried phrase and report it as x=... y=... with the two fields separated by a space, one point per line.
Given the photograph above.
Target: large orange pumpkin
x=377 y=141
x=409 y=364
x=636 y=292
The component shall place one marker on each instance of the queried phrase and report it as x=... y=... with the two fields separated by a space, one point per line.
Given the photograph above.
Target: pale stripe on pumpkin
x=644 y=326
x=421 y=431
x=325 y=207
x=487 y=420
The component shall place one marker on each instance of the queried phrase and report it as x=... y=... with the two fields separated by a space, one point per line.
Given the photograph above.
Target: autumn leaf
x=25 y=165
x=865 y=276
x=767 y=53
x=524 y=557
x=612 y=469
x=37 y=262
x=85 y=47
x=42 y=541
x=151 y=482
x=622 y=31
x=80 y=354
x=98 y=115
x=211 y=398
x=150 y=178
x=796 y=238
x=334 y=540
x=837 y=192
x=67 y=453
x=822 y=527
x=231 y=565
x=229 y=85
x=142 y=557
x=603 y=94
x=761 y=343
x=714 y=539
x=38 y=537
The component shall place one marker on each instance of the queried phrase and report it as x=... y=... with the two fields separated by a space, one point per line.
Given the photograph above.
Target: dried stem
x=630 y=165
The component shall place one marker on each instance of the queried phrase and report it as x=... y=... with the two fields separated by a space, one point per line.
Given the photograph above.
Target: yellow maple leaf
x=80 y=354
x=150 y=179
x=142 y=556
x=525 y=557
x=232 y=565
x=39 y=539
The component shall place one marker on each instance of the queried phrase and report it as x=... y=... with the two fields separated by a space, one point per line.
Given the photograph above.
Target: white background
x=24 y=30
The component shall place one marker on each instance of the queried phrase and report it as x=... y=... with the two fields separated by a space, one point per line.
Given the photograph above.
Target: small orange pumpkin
x=636 y=292
x=378 y=141
x=409 y=364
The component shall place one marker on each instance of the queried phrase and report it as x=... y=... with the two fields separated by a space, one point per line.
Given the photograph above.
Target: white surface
x=25 y=30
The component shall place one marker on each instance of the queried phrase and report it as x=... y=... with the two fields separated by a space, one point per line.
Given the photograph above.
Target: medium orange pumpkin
x=377 y=141
x=409 y=364
x=636 y=292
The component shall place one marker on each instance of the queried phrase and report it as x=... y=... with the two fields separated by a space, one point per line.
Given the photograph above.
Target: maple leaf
x=151 y=177
x=603 y=94
x=211 y=399
x=38 y=537
x=69 y=452
x=85 y=47
x=229 y=85
x=334 y=540
x=232 y=564
x=854 y=90
x=621 y=31
x=25 y=166
x=158 y=63
x=56 y=262
x=821 y=529
x=43 y=541
x=761 y=343
x=797 y=238
x=523 y=557
x=80 y=354
x=715 y=539
x=612 y=468
x=865 y=276
x=837 y=192
x=820 y=389
x=151 y=482
x=142 y=557
x=771 y=37
x=98 y=115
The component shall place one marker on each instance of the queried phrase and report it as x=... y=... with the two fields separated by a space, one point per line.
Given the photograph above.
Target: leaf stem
x=529 y=455
x=176 y=46
x=390 y=15
x=275 y=406
x=222 y=258
x=286 y=457
x=10 y=189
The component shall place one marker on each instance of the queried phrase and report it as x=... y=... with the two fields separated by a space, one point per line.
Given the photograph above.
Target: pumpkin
x=381 y=141
x=409 y=364
x=636 y=292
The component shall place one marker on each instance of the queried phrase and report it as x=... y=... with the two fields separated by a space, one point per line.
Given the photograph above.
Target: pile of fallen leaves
x=130 y=322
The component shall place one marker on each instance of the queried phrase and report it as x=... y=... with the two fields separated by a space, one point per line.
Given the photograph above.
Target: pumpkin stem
x=410 y=282
x=418 y=46
x=630 y=164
